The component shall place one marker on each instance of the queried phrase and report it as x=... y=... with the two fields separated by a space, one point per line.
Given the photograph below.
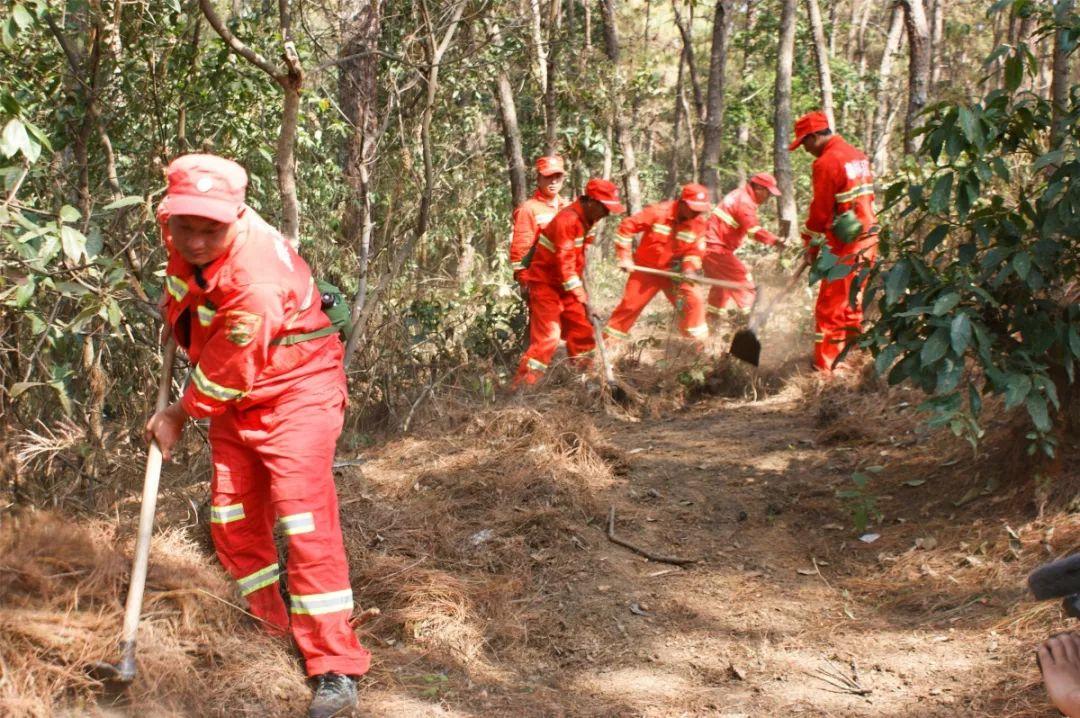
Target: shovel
x=123 y=673
x=611 y=384
x=745 y=344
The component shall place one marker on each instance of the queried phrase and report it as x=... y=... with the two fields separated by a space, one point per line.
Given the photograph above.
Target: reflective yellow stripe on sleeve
x=546 y=243
x=725 y=217
x=206 y=315
x=623 y=241
x=685 y=236
x=572 y=283
x=693 y=260
x=857 y=191
x=516 y=266
x=177 y=287
x=754 y=230
x=661 y=229
x=212 y=390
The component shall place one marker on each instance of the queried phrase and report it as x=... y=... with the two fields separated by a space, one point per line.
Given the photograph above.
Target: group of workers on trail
x=267 y=361
x=689 y=237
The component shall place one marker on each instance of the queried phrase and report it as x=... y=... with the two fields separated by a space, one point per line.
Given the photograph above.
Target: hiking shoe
x=335 y=695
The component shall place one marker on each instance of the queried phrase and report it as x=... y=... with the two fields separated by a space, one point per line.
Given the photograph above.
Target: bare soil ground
x=481 y=539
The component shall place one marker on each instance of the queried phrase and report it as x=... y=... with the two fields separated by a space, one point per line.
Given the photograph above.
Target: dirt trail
x=773 y=605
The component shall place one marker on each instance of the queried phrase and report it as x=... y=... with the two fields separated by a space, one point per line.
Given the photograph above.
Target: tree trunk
x=291 y=79
x=551 y=112
x=714 y=103
x=1059 y=78
x=673 y=163
x=504 y=96
x=821 y=55
x=937 y=33
x=785 y=57
x=879 y=136
x=691 y=64
x=622 y=133
x=435 y=53
x=918 y=32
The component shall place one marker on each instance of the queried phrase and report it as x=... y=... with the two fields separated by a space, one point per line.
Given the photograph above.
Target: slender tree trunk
x=1059 y=78
x=622 y=133
x=290 y=78
x=714 y=103
x=676 y=125
x=821 y=56
x=685 y=27
x=937 y=50
x=918 y=32
x=504 y=95
x=782 y=113
x=435 y=52
x=551 y=112
x=879 y=135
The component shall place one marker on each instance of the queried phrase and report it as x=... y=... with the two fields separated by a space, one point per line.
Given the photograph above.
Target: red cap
x=205 y=186
x=550 y=165
x=696 y=197
x=808 y=124
x=766 y=180
x=606 y=193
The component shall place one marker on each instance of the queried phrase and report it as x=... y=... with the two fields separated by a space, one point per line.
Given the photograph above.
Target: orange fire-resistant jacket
x=529 y=218
x=664 y=241
x=734 y=219
x=559 y=259
x=234 y=315
x=842 y=181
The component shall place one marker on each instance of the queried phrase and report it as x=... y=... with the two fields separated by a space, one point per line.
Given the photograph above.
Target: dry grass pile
x=62 y=588
x=452 y=535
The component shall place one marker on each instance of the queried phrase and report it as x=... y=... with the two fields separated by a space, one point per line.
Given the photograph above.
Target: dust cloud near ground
x=482 y=539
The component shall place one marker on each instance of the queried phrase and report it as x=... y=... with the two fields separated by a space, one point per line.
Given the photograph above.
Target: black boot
x=335 y=695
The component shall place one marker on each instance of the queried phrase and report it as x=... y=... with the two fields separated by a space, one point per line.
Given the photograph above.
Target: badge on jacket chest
x=240 y=327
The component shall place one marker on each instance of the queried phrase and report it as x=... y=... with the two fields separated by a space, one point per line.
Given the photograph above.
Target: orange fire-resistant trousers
x=725 y=265
x=554 y=315
x=835 y=319
x=687 y=298
x=274 y=461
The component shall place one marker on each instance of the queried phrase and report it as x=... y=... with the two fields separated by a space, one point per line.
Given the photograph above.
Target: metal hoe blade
x=745 y=346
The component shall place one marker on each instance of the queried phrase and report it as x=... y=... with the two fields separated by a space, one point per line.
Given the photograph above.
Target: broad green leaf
x=970 y=126
x=124 y=202
x=1017 y=388
x=115 y=315
x=934 y=238
x=13 y=138
x=939 y=197
x=69 y=214
x=946 y=303
x=935 y=347
x=839 y=271
x=1050 y=158
x=1021 y=263
x=22 y=17
x=1037 y=409
x=62 y=395
x=897 y=281
x=960 y=333
x=74 y=243
x=94 y=243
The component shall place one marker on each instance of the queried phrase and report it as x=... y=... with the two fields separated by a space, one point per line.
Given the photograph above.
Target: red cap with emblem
x=606 y=193
x=766 y=180
x=550 y=165
x=205 y=186
x=808 y=124
x=696 y=197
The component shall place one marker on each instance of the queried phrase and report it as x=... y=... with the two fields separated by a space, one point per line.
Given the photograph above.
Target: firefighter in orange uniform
x=732 y=220
x=536 y=212
x=267 y=373
x=557 y=298
x=673 y=238
x=842 y=217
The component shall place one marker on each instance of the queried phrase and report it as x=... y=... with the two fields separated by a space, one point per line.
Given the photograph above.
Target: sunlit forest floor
x=481 y=537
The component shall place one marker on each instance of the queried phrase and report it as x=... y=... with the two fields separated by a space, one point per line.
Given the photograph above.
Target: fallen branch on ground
x=675 y=561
